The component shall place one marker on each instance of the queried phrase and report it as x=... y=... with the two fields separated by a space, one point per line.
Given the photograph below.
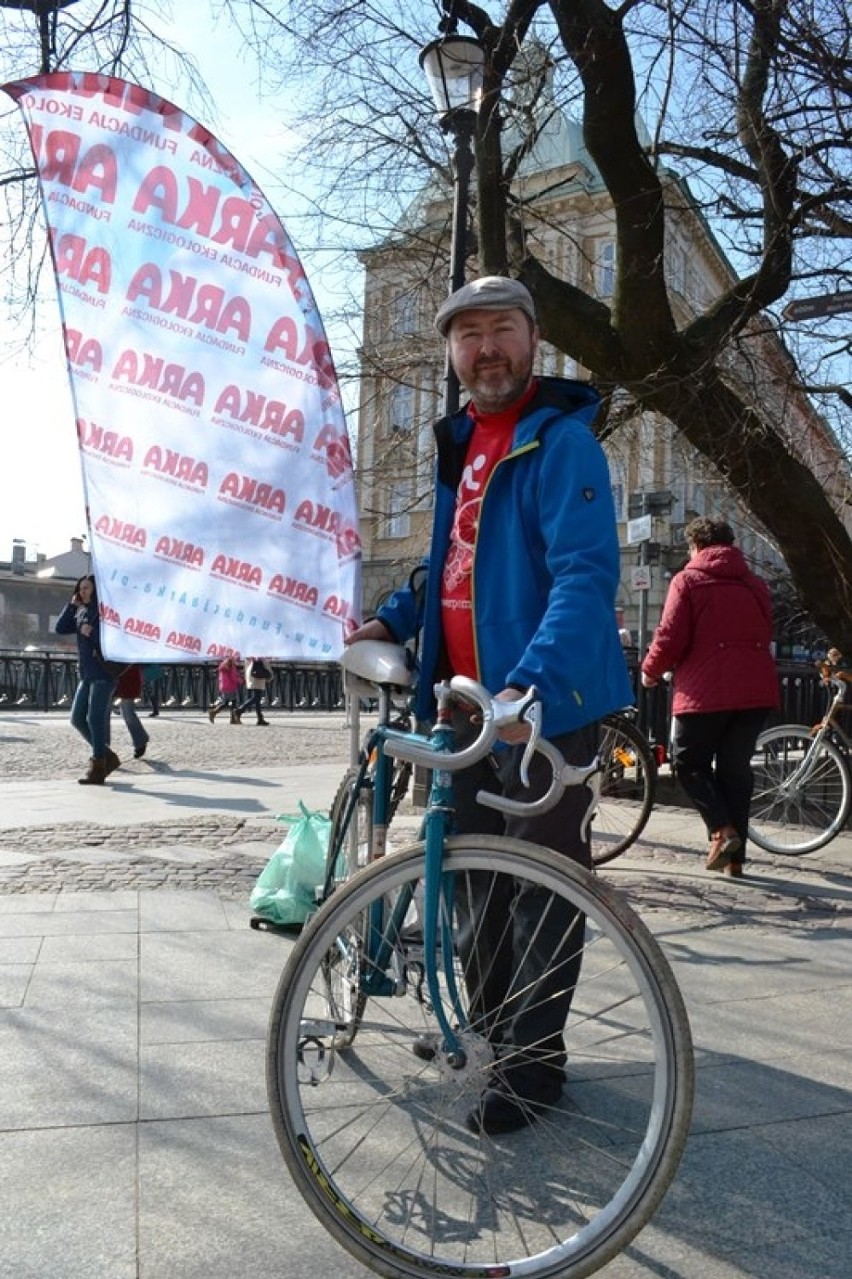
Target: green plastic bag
x=286 y=889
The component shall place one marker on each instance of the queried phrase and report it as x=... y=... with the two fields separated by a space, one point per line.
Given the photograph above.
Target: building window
x=401 y=407
x=678 y=269
x=605 y=268
x=399 y=506
x=404 y=314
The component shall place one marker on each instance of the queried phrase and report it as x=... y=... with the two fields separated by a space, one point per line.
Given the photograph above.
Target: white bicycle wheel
x=802 y=791
x=376 y=1139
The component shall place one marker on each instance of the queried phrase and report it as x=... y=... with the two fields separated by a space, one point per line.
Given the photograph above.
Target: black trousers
x=712 y=753
x=521 y=947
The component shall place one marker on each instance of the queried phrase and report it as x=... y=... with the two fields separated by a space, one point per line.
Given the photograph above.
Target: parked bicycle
x=803 y=783
x=375 y=1137
x=628 y=786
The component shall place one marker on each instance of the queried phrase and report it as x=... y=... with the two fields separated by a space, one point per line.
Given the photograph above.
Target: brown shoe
x=112 y=762
x=723 y=844
x=96 y=773
x=734 y=869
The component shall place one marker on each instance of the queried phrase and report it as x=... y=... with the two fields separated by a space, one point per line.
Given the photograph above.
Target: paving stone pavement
x=135 y=1140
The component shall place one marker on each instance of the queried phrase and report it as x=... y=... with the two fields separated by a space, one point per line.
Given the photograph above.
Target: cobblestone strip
x=707 y=903
x=232 y=877
x=213 y=831
x=232 y=874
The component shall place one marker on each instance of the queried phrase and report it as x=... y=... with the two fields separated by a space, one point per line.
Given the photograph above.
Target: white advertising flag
x=216 y=463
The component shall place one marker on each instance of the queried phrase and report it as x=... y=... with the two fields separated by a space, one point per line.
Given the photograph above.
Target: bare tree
x=748 y=100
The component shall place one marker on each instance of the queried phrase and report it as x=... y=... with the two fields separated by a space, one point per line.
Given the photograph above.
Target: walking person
x=152 y=676
x=230 y=682
x=128 y=689
x=90 y=707
x=258 y=675
x=715 y=635
x=520 y=590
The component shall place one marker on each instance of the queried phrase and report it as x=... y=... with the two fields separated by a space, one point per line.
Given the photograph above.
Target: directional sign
x=822 y=304
x=638 y=530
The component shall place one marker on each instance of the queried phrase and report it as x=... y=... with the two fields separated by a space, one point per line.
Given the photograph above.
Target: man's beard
x=495 y=387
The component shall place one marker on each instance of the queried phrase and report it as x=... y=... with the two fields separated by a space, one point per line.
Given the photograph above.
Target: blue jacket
x=88 y=646
x=545 y=567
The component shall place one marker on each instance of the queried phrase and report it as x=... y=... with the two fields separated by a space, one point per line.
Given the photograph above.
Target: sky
x=42 y=502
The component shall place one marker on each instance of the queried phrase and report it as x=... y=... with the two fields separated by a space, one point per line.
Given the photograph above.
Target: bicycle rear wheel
x=350 y=840
x=629 y=783
x=376 y=1139
x=802 y=791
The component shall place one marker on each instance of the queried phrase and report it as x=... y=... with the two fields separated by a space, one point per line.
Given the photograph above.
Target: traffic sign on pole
x=821 y=304
x=638 y=530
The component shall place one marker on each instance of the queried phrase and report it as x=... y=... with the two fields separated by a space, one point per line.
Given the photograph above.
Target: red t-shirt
x=490 y=441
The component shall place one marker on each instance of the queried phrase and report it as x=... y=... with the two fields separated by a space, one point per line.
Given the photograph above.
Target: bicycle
x=374 y=1137
x=628 y=786
x=803 y=783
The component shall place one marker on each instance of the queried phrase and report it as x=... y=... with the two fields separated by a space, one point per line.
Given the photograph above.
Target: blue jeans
x=90 y=713
x=134 y=726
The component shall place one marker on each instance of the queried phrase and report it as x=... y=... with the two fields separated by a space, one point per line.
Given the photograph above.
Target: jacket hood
x=719 y=562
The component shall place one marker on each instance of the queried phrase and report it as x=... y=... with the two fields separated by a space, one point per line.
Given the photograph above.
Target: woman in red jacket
x=715 y=635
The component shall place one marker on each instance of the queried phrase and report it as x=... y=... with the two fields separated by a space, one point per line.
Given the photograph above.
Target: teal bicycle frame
x=436 y=751
x=382 y=930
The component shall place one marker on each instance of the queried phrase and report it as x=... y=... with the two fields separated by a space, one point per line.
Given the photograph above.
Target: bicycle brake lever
x=530 y=715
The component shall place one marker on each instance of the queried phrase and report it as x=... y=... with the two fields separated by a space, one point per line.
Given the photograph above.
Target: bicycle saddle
x=378 y=662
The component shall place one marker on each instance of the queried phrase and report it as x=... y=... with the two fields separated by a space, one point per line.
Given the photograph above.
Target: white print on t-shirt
x=459 y=561
x=467 y=480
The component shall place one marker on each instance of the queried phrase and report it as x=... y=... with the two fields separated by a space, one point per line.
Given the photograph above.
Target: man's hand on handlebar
x=513 y=734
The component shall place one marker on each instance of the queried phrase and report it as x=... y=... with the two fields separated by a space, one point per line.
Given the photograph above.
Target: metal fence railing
x=45 y=681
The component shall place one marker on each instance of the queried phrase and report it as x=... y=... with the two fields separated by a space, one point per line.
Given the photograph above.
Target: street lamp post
x=454 y=67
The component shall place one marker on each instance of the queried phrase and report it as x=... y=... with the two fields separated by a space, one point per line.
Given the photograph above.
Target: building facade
x=33 y=592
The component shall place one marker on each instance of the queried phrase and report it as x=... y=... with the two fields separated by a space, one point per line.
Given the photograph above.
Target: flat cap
x=491 y=292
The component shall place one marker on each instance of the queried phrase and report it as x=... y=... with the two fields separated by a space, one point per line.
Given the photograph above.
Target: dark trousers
x=712 y=753
x=521 y=947
x=252 y=701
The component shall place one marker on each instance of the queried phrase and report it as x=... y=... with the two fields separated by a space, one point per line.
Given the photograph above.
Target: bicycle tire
x=401 y=777
x=793 y=817
x=628 y=788
x=372 y=1138
x=339 y=866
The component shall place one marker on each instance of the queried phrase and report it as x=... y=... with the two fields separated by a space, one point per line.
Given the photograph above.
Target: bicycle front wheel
x=379 y=1141
x=628 y=786
x=802 y=791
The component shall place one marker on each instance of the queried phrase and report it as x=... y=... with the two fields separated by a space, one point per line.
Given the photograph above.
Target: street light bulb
x=454 y=68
